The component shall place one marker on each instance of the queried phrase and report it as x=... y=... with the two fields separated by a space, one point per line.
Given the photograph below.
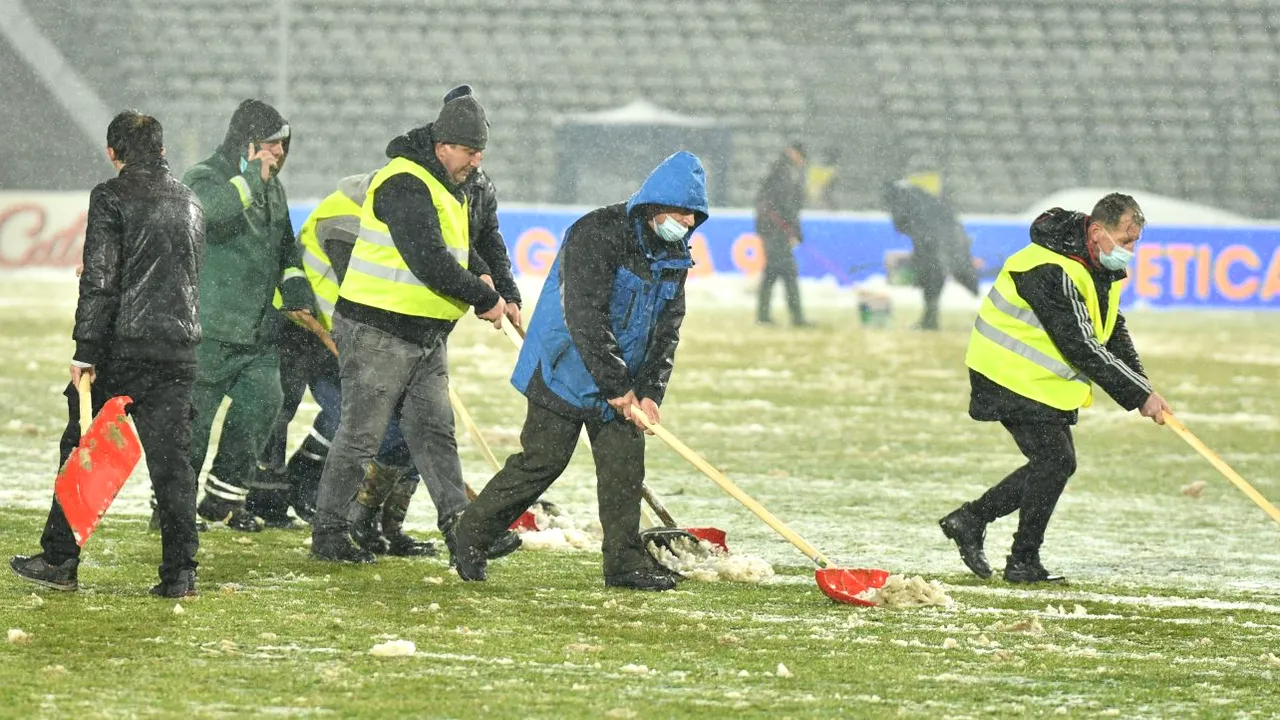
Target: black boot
x=232 y=513
x=507 y=543
x=366 y=511
x=645 y=578
x=35 y=569
x=337 y=547
x=182 y=586
x=268 y=498
x=394 y=511
x=1025 y=567
x=303 y=474
x=968 y=531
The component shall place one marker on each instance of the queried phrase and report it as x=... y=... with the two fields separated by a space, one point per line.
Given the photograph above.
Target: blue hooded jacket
x=608 y=318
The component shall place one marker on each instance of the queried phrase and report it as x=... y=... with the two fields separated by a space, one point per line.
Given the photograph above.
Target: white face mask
x=1117 y=258
x=670 y=230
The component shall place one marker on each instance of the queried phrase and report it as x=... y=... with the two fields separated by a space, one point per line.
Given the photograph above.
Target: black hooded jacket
x=486 y=239
x=143 y=250
x=404 y=203
x=1059 y=306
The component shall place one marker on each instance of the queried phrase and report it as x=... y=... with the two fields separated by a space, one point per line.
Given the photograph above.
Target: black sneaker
x=403 y=545
x=337 y=547
x=968 y=532
x=1027 y=569
x=34 y=569
x=471 y=564
x=506 y=544
x=182 y=586
x=641 y=579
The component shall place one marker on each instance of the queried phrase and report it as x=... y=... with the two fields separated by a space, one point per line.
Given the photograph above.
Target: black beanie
x=461 y=122
x=252 y=122
x=454 y=94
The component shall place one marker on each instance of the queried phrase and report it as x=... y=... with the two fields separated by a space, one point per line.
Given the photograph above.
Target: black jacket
x=143 y=249
x=486 y=239
x=1113 y=367
x=404 y=204
x=940 y=245
x=595 y=248
x=779 y=201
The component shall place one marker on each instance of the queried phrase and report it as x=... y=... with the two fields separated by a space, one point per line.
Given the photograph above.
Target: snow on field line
x=1148 y=601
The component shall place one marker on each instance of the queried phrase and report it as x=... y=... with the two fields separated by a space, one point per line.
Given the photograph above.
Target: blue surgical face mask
x=1118 y=258
x=244 y=164
x=671 y=230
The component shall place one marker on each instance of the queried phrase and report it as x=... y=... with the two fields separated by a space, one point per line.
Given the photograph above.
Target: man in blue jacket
x=601 y=347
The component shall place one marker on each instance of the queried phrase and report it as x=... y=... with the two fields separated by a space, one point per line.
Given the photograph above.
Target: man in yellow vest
x=405 y=287
x=1048 y=331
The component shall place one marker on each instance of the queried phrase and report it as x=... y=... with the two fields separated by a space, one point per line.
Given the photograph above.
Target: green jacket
x=250 y=250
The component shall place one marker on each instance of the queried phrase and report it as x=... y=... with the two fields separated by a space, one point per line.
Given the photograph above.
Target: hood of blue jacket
x=679 y=181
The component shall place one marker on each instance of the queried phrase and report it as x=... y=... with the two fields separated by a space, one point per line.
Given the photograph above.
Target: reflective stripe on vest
x=335 y=212
x=1009 y=346
x=378 y=276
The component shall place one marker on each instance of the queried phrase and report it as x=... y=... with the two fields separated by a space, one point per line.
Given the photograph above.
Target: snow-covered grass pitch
x=858 y=438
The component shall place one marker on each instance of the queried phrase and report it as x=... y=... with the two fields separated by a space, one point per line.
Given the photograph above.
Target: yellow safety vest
x=336 y=209
x=378 y=276
x=1010 y=347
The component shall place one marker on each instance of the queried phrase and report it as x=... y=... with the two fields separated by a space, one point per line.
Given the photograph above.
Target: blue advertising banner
x=1206 y=267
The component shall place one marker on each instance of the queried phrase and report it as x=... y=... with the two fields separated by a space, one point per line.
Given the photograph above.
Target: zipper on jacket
x=626 y=319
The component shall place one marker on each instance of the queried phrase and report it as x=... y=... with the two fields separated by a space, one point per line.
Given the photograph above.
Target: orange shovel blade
x=97 y=469
x=843 y=585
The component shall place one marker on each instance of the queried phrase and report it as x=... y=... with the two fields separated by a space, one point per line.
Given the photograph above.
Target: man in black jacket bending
x=137 y=327
x=1049 y=329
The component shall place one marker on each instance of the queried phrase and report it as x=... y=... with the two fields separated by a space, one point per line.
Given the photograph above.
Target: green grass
x=859 y=440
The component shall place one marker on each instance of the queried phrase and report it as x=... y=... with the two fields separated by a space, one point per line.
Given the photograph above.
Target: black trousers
x=161 y=412
x=547 y=443
x=1033 y=489
x=304 y=362
x=779 y=264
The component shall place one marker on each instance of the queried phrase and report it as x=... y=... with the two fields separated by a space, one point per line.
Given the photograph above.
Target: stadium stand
x=1011 y=100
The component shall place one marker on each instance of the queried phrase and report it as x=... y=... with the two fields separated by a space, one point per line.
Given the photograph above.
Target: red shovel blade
x=715 y=536
x=525 y=523
x=97 y=469
x=843 y=585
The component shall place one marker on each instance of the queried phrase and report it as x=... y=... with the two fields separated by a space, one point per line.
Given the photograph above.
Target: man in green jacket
x=250 y=251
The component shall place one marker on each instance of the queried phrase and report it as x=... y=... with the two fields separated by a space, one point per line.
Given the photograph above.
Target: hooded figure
x=250 y=254
x=600 y=349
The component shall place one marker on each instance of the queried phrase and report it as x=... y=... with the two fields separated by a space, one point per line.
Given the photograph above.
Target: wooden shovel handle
x=86 y=402
x=734 y=491
x=1231 y=475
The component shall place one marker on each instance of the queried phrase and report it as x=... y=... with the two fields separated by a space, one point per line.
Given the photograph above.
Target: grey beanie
x=461 y=122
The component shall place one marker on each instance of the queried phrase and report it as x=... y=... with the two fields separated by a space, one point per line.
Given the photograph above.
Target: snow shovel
x=1176 y=425
x=840 y=584
x=662 y=536
x=526 y=521
x=99 y=466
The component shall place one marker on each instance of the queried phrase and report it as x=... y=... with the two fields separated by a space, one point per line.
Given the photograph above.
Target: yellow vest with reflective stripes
x=336 y=208
x=378 y=276
x=1010 y=347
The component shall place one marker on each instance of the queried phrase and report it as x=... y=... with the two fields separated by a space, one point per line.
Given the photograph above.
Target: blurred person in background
x=939 y=244
x=136 y=331
x=406 y=285
x=778 y=205
x=1050 y=327
x=251 y=253
x=601 y=348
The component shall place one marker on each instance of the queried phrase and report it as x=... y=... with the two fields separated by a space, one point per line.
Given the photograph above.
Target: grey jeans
x=377 y=370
